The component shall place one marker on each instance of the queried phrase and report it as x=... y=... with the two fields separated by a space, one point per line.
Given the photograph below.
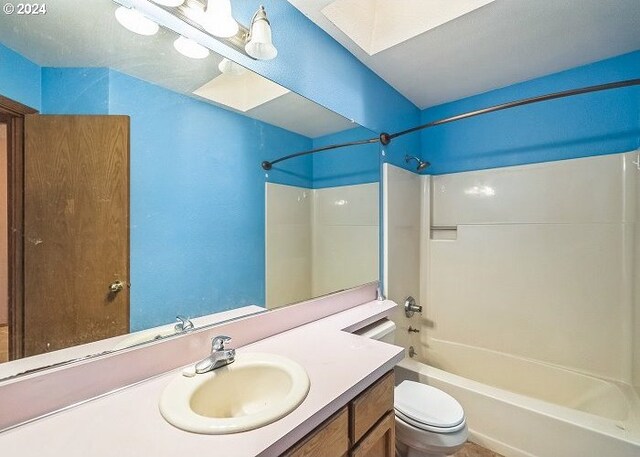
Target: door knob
x=116 y=286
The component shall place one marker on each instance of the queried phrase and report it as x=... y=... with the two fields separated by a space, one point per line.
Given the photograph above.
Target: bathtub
x=523 y=408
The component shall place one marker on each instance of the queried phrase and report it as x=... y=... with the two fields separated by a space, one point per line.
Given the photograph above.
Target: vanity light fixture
x=211 y=17
x=135 y=21
x=190 y=48
x=259 y=44
x=229 y=67
x=217 y=19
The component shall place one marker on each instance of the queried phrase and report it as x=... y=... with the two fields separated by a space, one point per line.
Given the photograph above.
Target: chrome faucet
x=184 y=324
x=219 y=356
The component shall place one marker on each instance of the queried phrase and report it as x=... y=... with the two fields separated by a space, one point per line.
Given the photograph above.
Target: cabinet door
x=379 y=441
x=370 y=406
x=329 y=440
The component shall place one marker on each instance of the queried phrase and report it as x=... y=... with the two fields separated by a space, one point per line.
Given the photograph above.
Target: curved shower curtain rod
x=385 y=138
x=267 y=165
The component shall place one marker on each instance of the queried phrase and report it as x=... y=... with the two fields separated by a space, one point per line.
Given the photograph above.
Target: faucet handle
x=217 y=343
x=184 y=324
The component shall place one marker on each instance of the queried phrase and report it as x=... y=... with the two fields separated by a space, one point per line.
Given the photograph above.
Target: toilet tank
x=382 y=330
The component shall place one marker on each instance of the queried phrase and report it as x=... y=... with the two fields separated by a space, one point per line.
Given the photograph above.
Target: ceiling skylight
x=241 y=92
x=376 y=25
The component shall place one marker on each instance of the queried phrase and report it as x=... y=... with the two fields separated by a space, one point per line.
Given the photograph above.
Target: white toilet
x=429 y=422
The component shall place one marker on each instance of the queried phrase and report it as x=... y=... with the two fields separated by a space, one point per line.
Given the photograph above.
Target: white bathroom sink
x=255 y=390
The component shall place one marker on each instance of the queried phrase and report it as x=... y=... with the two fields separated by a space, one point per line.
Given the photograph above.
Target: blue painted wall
x=293 y=172
x=19 y=78
x=346 y=166
x=75 y=90
x=585 y=125
x=197 y=202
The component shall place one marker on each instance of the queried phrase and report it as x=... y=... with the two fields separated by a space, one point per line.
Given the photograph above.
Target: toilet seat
x=428 y=408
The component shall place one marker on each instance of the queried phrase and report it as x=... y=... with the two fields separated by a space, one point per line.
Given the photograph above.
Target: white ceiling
x=499 y=44
x=85 y=33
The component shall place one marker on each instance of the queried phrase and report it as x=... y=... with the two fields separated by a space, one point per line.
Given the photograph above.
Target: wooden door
x=76 y=230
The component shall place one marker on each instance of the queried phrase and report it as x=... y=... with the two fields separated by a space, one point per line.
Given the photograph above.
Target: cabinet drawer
x=330 y=439
x=370 y=406
x=380 y=441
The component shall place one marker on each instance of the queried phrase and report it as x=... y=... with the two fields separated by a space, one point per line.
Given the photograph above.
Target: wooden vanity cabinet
x=380 y=441
x=365 y=427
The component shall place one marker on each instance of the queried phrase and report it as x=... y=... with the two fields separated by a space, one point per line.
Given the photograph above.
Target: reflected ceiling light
x=194 y=11
x=134 y=21
x=217 y=19
x=190 y=48
x=190 y=18
x=259 y=44
x=172 y=3
x=229 y=67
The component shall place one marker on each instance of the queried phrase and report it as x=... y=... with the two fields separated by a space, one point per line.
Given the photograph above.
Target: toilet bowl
x=429 y=422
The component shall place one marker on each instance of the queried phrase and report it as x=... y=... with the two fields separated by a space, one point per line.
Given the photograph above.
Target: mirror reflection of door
x=76 y=230
x=64 y=265
x=4 y=255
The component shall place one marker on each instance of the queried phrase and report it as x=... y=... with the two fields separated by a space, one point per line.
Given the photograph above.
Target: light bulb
x=217 y=19
x=229 y=67
x=173 y=3
x=260 y=45
x=134 y=21
x=190 y=48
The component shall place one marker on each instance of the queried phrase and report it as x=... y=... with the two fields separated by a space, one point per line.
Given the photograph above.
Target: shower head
x=421 y=164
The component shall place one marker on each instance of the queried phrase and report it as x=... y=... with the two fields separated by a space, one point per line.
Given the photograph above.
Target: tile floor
x=474 y=450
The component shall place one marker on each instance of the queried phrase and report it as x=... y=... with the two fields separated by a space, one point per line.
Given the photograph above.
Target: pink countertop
x=14 y=367
x=127 y=423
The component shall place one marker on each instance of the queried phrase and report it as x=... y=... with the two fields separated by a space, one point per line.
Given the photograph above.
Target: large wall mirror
x=142 y=196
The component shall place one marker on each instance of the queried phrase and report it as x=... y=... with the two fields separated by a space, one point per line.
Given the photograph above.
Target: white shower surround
x=528 y=347
x=319 y=241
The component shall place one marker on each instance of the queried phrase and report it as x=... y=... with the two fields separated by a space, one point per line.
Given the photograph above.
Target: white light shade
x=190 y=48
x=229 y=67
x=173 y=3
x=260 y=45
x=134 y=21
x=217 y=19
x=195 y=12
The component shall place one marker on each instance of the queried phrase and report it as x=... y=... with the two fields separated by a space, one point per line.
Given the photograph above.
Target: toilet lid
x=426 y=405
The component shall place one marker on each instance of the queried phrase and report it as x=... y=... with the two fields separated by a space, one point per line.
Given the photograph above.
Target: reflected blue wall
x=20 y=78
x=585 y=125
x=75 y=90
x=197 y=190
x=197 y=202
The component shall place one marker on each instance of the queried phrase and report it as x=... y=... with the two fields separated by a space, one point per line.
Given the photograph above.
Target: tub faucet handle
x=410 y=307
